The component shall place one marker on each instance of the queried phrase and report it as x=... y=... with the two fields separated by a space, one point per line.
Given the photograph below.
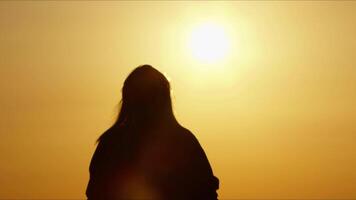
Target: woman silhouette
x=146 y=154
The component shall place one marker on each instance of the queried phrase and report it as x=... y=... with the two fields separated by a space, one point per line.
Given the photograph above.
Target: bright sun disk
x=209 y=43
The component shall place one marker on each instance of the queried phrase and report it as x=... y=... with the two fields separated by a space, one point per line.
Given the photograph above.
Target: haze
x=276 y=116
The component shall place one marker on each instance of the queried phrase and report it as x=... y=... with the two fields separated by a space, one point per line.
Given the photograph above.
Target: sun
x=208 y=42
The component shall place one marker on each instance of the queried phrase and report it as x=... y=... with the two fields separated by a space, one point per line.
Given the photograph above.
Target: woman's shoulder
x=185 y=132
x=110 y=134
x=186 y=135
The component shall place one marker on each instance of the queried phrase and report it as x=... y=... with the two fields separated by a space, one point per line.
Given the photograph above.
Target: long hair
x=146 y=99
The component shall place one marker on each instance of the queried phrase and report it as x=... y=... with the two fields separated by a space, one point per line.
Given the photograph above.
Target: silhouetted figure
x=146 y=154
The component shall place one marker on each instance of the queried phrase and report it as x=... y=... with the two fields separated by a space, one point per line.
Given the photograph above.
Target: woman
x=146 y=154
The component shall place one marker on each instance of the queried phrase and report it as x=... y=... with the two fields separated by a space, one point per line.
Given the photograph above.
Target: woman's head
x=145 y=97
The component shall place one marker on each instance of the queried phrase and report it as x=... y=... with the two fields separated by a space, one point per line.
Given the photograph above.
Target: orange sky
x=276 y=117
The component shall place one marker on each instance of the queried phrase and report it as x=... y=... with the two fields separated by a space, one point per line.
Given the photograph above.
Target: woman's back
x=167 y=163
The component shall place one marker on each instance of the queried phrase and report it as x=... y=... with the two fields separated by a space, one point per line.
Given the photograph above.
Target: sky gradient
x=276 y=116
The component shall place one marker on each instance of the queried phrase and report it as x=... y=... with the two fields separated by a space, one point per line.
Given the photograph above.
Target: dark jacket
x=158 y=163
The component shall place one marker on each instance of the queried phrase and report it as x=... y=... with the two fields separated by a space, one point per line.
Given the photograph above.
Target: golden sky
x=276 y=116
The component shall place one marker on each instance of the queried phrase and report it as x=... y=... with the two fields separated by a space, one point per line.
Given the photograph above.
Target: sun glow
x=209 y=43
